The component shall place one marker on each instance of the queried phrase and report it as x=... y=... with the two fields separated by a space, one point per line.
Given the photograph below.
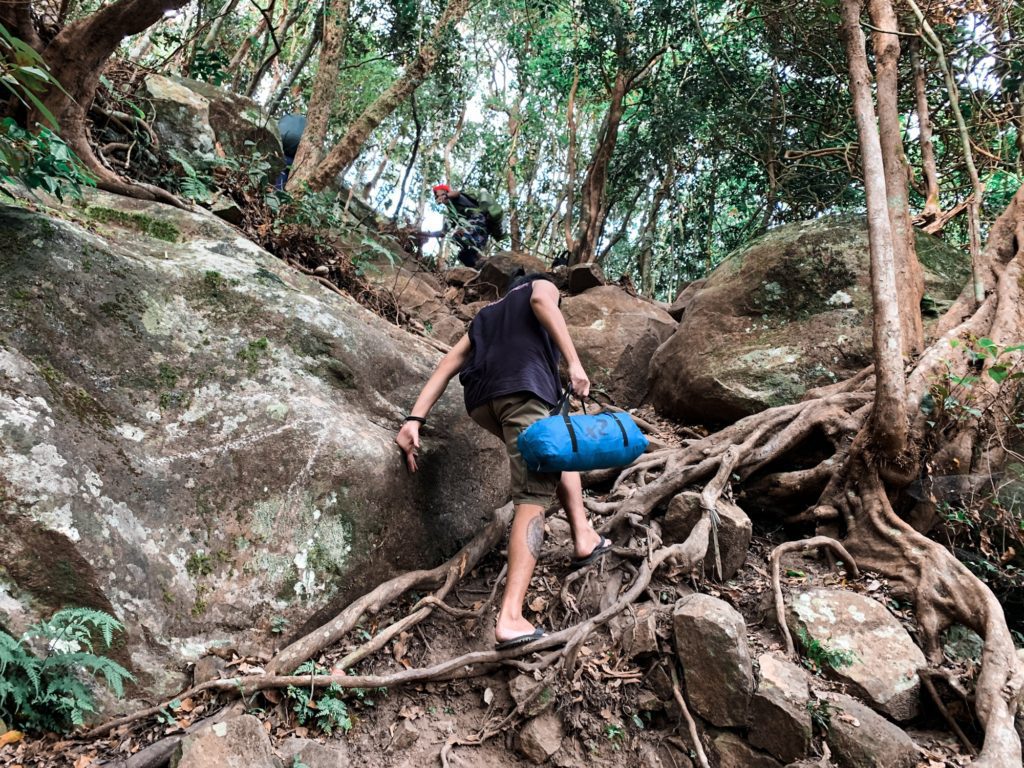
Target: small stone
x=532 y=696
x=648 y=701
x=207 y=668
x=313 y=754
x=406 y=734
x=711 y=642
x=541 y=737
x=780 y=722
x=636 y=630
x=860 y=738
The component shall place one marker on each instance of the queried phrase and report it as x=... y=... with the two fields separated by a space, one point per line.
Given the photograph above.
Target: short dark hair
x=521 y=278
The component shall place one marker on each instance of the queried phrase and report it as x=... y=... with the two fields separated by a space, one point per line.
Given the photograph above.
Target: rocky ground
x=752 y=706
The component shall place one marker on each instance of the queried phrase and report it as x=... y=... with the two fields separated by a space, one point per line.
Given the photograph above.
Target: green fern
x=329 y=711
x=55 y=692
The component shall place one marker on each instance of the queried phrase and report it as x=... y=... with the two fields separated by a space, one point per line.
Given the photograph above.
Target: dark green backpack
x=494 y=214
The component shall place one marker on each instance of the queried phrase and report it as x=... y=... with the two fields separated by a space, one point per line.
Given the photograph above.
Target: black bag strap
x=618 y=422
x=563 y=409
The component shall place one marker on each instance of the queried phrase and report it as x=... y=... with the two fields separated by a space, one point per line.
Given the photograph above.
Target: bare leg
x=524 y=544
x=570 y=495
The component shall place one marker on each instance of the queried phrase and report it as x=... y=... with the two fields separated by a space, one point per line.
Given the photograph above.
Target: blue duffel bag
x=564 y=443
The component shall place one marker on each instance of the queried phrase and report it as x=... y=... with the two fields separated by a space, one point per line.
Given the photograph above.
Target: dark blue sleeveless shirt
x=509 y=352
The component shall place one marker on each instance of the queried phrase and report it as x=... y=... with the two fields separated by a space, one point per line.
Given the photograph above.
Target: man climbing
x=466 y=221
x=508 y=366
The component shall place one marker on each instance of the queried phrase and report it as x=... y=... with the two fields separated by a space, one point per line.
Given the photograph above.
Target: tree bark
x=889 y=416
x=218 y=24
x=593 y=207
x=287 y=20
x=344 y=152
x=909 y=275
x=324 y=98
x=16 y=15
x=924 y=125
x=300 y=64
x=570 y=161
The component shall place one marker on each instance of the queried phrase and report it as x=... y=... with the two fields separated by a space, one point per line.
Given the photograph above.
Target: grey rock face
x=711 y=642
x=201 y=122
x=780 y=722
x=884 y=658
x=734 y=752
x=201 y=439
x=788 y=312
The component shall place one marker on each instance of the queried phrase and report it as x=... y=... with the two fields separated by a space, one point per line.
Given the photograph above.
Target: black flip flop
x=604 y=546
x=522 y=640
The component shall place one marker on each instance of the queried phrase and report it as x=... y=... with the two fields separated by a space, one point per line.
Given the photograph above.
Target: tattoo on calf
x=535 y=536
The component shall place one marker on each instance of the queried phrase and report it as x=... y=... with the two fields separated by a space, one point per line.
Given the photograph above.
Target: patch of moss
x=199 y=564
x=804 y=280
x=167 y=375
x=140 y=222
x=200 y=604
x=253 y=352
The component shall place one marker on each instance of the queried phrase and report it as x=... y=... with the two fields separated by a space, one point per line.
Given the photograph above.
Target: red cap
x=442 y=188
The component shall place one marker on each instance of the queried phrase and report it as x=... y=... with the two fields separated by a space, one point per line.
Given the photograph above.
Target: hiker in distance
x=465 y=219
x=508 y=366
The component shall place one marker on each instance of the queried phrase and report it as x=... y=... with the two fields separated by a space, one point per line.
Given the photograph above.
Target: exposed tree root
x=802 y=546
x=691 y=726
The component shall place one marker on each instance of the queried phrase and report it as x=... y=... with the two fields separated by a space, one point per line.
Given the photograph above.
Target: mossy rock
x=789 y=312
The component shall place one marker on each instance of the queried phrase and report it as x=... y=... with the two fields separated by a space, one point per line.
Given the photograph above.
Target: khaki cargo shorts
x=505 y=417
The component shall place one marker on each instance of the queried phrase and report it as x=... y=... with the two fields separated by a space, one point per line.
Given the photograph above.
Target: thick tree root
x=802 y=546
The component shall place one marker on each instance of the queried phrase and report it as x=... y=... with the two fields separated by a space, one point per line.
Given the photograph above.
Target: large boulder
x=200 y=439
x=789 y=312
x=711 y=642
x=201 y=122
x=880 y=660
x=615 y=334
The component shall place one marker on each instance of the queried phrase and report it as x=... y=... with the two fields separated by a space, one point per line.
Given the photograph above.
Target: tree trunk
x=514 y=125
x=345 y=151
x=16 y=15
x=452 y=141
x=324 y=98
x=924 y=125
x=300 y=63
x=909 y=275
x=570 y=161
x=287 y=20
x=593 y=205
x=76 y=58
x=889 y=416
x=218 y=24
x=645 y=251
